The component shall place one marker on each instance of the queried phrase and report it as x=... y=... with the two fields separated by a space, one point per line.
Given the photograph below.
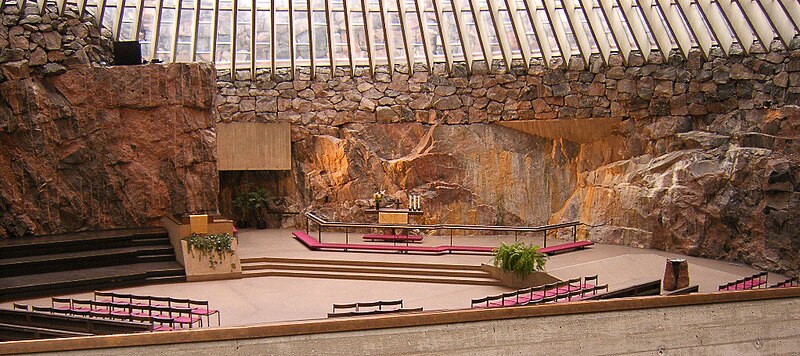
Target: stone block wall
x=706 y=162
x=49 y=43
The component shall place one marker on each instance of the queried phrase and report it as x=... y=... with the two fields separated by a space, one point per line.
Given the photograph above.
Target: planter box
x=198 y=268
x=511 y=280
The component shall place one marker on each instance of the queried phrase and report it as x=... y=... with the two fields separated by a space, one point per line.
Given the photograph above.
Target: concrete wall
x=742 y=327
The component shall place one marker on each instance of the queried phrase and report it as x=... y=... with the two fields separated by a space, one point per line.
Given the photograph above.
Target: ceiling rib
x=614 y=25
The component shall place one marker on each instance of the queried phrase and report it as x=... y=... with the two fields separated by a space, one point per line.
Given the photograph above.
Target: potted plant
x=252 y=205
x=259 y=203
x=242 y=205
x=519 y=259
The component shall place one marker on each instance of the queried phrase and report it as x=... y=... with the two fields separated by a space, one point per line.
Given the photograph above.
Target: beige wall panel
x=254 y=146
x=392 y=218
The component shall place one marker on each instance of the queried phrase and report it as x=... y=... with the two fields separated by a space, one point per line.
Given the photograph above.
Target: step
x=361 y=263
x=372 y=277
x=151 y=241
x=48 y=284
x=156 y=258
x=80 y=241
x=81 y=260
x=329 y=268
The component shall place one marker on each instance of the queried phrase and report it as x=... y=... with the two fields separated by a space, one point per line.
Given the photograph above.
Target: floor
x=259 y=300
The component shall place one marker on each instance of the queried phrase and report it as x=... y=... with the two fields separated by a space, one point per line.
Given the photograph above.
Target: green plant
x=520 y=259
x=241 y=203
x=252 y=204
x=210 y=245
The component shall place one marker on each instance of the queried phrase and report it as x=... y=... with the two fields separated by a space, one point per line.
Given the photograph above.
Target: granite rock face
x=99 y=147
x=458 y=178
x=729 y=191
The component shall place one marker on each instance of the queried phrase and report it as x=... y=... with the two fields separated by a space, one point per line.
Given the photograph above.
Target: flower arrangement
x=377 y=197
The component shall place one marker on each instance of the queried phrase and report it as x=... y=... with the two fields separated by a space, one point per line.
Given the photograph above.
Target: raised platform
x=48 y=265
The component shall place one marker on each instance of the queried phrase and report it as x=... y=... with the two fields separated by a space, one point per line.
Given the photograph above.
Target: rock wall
x=49 y=43
x=705 y=163
x=101 y=147
x=86 y=146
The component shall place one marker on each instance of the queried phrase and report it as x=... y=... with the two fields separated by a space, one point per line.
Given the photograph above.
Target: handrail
x=322 y=222
x=515 y=229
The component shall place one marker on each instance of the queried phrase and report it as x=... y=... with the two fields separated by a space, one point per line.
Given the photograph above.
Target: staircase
x=84 y=261
x=366 y=270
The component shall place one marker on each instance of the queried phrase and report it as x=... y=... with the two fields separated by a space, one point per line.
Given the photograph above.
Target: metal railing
x=544 y=229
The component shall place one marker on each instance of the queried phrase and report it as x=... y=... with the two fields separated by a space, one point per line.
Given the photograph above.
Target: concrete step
x=361 y=263
x=366 y=270
x=371 y=277
x=330 y=268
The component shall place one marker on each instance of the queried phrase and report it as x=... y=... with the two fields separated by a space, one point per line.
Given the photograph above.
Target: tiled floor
x=259 y=300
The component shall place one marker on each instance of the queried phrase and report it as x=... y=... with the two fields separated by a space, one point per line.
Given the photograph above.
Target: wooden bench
x=12 y=332
x=564 y=291
x=758 y=280
x=378 y=307
x=392 y=238
x=683 y=291
x=787 y=283
x=70 y=323
x=374 y=312
x=551 y=250
x=643 y=289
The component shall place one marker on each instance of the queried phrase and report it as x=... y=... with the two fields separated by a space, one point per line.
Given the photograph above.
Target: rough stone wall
x=49 y=43
x=706 y=163
x=102 y=147
x=85 y=146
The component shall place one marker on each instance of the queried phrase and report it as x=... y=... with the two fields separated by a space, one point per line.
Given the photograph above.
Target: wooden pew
x=61 y=322
x=643 y=289
x=11 y=332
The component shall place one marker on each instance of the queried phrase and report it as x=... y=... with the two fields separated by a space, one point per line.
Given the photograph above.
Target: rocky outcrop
x=460 y=171
x=100 y=147
x=728 y=191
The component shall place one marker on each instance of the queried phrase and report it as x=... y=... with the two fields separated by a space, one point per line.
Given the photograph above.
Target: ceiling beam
x=367 y=20
x=742 y=29
x=388 y=40
x=423 y=30
x=539 y=32
x=349 y=37
x=519 y=31
x=448 y=55
x=717 y=24
x=409 y=56
x=488 y=56
x=463 y=35
x=697 y=26
x=675 y=24
x=500 y=32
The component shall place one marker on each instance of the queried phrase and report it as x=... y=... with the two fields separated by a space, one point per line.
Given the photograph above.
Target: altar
x=393 y=216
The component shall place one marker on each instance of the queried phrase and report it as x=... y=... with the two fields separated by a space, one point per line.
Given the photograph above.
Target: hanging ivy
x=210 y=245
